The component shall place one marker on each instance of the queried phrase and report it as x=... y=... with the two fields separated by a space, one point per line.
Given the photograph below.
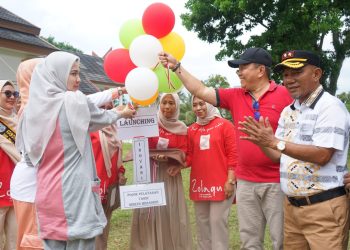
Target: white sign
x=142 y=170
x=145 y=123
x=141 y=196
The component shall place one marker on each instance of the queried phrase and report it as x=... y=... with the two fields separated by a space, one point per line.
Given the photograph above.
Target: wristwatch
x=281 y=145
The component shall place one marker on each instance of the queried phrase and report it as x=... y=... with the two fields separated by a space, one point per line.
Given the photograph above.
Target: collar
x=311 y=101
x=272 y=87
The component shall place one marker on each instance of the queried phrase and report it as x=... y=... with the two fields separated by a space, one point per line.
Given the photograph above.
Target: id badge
x=163 y=143
x=204 y=142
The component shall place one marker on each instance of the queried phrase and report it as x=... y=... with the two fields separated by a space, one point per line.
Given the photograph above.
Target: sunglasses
x=9 y=93
x=256 y=108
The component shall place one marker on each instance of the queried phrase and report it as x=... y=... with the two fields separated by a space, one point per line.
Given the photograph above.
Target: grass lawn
x=121 y=220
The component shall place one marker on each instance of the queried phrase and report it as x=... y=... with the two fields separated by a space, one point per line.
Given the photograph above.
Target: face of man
x=301 y=82
x=249 y=74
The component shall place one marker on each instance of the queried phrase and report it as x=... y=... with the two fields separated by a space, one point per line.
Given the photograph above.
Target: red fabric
x=6 y=169
x=175 y=141
x=210 y=166
x=253 y=165
x=100 y=167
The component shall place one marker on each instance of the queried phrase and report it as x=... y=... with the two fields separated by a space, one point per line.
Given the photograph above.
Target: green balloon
x=129 y=31
x=163 y=85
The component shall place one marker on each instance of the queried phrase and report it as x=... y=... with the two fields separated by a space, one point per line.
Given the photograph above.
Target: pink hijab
x=24 y=74
x=173 y=124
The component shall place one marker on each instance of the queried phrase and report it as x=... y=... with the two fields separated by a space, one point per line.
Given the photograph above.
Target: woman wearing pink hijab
x=23 y=181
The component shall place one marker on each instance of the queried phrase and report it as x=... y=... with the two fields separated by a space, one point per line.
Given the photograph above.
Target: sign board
x=141 y=196
x=142 y=170
x=145 y=123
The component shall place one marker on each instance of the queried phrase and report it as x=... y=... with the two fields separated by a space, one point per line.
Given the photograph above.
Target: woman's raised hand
x=167 y=60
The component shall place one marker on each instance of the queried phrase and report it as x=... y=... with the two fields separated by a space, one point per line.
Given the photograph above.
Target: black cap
x=252 y=55
x=296 y=59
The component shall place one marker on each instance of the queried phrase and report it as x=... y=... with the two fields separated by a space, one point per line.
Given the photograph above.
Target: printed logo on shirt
x=163 y=143
x=204 y=142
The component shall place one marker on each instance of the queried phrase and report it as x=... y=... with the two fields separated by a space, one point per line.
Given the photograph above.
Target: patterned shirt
x=323 y=121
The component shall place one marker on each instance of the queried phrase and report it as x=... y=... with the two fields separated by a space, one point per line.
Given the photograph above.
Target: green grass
x=121 y=220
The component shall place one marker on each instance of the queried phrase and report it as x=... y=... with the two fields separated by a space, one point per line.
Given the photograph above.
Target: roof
x=24 y=38
x=17 y=33
x=9 y=16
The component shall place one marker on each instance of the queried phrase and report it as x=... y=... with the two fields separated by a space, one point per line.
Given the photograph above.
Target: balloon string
x=167 y=72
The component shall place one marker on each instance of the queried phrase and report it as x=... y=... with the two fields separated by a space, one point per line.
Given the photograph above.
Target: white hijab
x=212 y=112
x=47 y=93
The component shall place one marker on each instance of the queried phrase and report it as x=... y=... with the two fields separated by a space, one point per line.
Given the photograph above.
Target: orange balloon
x=174 y=45
x=145 y=102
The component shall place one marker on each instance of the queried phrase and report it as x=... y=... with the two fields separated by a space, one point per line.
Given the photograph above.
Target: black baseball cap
x=252 y=55
x=296 y=59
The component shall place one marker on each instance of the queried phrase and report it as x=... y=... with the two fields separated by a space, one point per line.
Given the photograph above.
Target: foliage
x=345 y=98
x=186 y=114
x=283 y=25
x=218 y=81
x=62 y=45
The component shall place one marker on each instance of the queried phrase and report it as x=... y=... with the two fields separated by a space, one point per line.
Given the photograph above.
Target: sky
x=92 y=25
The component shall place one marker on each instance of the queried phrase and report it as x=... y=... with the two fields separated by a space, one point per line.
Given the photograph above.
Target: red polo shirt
x=253 y=164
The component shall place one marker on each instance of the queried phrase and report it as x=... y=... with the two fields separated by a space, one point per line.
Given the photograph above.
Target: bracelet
x=176 y=67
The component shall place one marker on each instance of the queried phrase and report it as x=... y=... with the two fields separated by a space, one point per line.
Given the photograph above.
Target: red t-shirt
x=106 y=181
x=253 y=164
x=211 y=151
x=168 y=140
x=6 y=169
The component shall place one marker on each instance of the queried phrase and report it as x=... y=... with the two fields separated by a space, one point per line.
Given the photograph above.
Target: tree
x=345 y=98
x=62 y=45
x=186 y=113
x=218 y=81
x=284 y=25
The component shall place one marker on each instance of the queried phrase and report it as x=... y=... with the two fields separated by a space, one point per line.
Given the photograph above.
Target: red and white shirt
x=211 y=152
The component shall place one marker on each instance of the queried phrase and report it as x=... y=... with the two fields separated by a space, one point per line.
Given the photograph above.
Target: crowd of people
x=283 y=159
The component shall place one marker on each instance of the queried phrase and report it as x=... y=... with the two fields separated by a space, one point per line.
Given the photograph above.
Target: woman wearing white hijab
x=165 y=227
x=53 y=135
x=212 y=155
x=9 y=156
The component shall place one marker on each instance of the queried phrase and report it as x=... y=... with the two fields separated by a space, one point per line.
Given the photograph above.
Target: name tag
x=163 y=143
x=204 y=142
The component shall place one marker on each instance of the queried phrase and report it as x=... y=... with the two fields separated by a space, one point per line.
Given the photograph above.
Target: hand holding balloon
x=167 y=60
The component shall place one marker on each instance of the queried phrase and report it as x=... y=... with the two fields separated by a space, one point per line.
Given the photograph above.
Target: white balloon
x=144 y=51
x=141 y=83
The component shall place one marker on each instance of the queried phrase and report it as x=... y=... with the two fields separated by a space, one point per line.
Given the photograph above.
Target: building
x=20 y=40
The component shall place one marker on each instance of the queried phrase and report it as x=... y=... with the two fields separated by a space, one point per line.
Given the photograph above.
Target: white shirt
x=23 y=180
x=323 y=122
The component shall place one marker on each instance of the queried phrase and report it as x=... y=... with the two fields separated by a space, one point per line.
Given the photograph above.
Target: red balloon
x=117 y=65
x=158 y=20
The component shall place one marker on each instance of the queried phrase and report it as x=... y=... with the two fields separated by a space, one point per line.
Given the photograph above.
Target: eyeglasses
x=256 y=108
x=9 y=93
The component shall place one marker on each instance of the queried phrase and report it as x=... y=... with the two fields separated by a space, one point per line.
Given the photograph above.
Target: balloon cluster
x=137 y=64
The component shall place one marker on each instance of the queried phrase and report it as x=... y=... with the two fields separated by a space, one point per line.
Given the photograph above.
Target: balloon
x=144 y=51
x=129 y=31
x=117 y=64
x=174 y=45
x=158 y=20
x=141 y=84
x=163 y=85
x=146 y=102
